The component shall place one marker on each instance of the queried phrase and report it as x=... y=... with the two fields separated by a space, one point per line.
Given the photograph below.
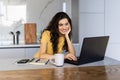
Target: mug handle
x=52 y=62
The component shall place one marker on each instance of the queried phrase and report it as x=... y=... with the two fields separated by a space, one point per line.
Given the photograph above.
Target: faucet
x=13 y=37
x=17 y=36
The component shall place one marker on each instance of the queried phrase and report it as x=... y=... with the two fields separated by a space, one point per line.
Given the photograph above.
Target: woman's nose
x=64 y=27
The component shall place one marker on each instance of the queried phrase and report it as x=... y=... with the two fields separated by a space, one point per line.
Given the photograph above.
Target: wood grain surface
x=71 y=73
x=30 y=33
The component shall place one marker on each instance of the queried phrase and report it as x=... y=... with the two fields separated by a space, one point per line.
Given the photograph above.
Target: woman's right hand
x=70 y=57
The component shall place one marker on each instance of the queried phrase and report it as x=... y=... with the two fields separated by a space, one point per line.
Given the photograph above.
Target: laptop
x=93 y=49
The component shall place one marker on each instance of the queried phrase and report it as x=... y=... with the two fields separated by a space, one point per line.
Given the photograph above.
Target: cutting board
x=30 y=33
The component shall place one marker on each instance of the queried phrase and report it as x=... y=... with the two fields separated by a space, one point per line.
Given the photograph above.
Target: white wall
x=101 y=17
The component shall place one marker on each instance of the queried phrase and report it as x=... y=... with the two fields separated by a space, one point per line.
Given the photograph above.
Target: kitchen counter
x=10 y=64
x=20 y=46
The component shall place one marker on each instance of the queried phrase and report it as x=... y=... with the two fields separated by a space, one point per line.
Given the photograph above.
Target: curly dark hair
x=53 y=28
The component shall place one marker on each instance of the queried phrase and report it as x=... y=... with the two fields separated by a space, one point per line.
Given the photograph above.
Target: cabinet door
x=30 y=52
x=92 y=6
x=12 y=53
x=112 y=21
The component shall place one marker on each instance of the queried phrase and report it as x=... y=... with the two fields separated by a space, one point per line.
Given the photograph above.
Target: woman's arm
x=71 y=55
x=42 y=52
x=43 y=46
x=70 y=46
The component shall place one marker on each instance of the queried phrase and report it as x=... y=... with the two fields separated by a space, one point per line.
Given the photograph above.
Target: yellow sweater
x=46 y=38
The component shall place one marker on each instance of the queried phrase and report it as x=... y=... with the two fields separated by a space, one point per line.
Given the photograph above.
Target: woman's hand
x=68 y=31
x=70 y=57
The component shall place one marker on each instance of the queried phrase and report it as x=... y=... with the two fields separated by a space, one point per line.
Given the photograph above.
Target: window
x=11 y=14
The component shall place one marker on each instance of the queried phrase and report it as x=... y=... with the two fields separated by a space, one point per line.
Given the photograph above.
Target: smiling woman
x=56 y=38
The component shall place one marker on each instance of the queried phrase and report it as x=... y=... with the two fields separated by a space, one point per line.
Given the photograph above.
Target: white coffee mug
x=58 y=59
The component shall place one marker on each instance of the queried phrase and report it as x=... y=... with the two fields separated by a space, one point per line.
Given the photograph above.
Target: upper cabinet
x=112 y=19
x=92 y=6
x=91 y=18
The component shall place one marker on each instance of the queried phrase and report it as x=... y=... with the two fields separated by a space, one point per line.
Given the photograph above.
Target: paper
x=39 y=61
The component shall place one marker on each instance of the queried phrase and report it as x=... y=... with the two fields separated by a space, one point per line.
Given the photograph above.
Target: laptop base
x=71 y=62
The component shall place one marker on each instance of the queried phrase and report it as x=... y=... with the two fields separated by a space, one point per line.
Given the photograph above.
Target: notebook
x=93 y=49
x=35 y=61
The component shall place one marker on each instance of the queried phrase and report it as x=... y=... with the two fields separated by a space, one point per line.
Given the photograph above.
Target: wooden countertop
x=71 y=73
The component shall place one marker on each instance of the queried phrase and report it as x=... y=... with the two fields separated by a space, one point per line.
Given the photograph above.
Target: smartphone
x=22 y=61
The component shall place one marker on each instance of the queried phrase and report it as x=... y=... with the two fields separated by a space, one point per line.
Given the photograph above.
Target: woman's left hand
x=70 y=56
x=68 y=31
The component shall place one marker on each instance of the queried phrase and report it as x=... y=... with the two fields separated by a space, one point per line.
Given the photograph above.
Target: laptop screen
x=93 y=49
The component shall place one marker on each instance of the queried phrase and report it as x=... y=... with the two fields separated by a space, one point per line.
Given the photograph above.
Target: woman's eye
x=60 y=24
x=66 y=24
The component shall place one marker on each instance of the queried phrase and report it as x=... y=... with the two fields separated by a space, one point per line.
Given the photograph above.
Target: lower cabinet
x=17 y=52
x=25 y=52
x=12 y=53
x=29 y=52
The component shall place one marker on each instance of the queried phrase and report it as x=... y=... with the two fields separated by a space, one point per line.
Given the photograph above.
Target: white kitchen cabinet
x=18 y=51
x=12 y=53
x=29 y=52
x=112 y=19
x=25 y=51
x=91 y=25
x=91 y=19
x=92 y=6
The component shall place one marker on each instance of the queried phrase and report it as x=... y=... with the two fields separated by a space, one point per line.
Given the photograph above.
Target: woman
x=57 y=37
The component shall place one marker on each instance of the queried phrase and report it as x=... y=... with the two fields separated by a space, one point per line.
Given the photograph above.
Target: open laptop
x=93 y=49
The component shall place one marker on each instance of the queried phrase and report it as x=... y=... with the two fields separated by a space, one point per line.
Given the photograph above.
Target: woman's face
x=63 y=26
